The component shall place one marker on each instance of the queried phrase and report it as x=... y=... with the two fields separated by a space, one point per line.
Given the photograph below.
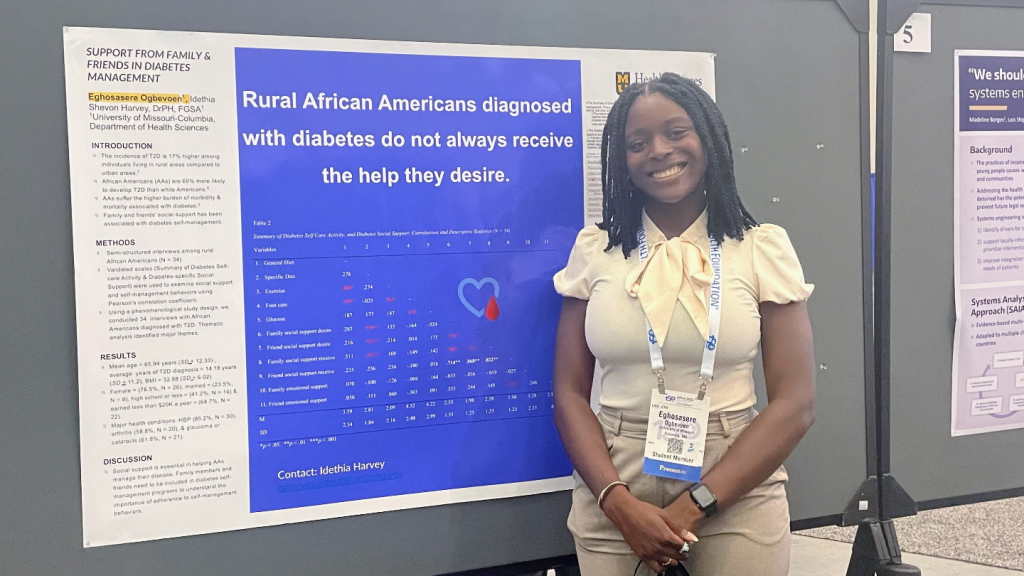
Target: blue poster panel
x=402 y=216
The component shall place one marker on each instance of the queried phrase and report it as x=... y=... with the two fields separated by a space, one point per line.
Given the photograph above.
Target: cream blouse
x=763 y=267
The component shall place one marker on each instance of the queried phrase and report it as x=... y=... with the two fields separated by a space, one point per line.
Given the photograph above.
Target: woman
x=667 y=173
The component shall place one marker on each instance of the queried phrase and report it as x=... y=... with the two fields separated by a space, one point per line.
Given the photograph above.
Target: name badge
x=676 y=431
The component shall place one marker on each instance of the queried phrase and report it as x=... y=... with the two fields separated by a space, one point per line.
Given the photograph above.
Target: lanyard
x=707 y=366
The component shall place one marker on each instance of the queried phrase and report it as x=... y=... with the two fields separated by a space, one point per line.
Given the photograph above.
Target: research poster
x=988 y=354
x=313 y=276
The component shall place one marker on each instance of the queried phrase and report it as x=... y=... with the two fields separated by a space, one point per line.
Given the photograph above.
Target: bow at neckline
x=676 y=269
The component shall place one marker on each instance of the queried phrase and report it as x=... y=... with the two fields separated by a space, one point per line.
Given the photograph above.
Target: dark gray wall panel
x=926 y=460
x=788 y=80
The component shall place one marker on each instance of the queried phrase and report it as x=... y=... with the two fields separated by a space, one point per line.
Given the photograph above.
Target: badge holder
x=678 y=421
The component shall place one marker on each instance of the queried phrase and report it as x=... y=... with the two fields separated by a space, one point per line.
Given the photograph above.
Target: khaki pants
x=750 y=538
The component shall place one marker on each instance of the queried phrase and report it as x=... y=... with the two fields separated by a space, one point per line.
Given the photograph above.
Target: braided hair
x=623 y=200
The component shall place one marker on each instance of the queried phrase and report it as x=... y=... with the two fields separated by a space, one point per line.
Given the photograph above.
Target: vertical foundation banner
x=313 y=276
x=988 y=355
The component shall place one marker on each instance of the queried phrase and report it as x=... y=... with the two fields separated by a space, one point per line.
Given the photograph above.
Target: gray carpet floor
x=990 y=533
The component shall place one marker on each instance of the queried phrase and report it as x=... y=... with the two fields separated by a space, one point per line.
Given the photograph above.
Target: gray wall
x=926 y=461
x=788 y=79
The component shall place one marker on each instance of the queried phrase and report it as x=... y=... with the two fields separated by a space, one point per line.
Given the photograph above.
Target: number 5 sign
x=916 y=34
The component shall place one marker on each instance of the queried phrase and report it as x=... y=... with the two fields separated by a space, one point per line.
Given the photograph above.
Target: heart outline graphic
x=478 y=284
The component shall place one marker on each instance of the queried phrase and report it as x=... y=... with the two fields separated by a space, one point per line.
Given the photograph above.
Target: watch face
x=702 y=496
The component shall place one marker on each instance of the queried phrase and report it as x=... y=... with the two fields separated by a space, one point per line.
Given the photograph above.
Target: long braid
x=623 y=201
x=621 y=211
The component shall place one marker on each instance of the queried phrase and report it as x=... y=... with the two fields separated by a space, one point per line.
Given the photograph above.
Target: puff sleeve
x=574 y=280
x=777 y=271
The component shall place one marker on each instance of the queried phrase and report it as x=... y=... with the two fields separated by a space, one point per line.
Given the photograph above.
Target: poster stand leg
x=876 y=551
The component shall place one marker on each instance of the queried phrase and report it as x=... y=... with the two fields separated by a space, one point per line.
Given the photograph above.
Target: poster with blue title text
x=313 y=276
x=988 y=348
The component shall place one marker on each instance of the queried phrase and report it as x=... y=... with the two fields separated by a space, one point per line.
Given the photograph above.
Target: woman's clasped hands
x=654 y=534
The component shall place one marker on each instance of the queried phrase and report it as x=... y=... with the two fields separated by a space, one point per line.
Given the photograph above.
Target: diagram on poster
x=988 y=356
x=313 y=276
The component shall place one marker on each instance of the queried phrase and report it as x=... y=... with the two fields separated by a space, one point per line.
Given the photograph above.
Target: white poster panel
x=313 y=276
x=988 y=354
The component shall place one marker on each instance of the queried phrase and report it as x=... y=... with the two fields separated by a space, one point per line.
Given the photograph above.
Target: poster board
x=814 y=98
x=302 y=297
x=923 y=314
x=987 y=385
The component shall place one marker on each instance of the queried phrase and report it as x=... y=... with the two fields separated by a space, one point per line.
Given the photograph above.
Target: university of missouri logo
x=621 y=81
x=624 y=79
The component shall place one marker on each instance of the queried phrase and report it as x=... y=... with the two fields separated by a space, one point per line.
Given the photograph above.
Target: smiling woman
x=664 y=151
x=679 y=280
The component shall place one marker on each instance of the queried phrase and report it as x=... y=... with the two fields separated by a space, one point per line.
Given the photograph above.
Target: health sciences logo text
x=624 y=79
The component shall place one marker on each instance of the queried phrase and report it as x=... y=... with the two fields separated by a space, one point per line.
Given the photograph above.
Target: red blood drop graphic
x=492 y=312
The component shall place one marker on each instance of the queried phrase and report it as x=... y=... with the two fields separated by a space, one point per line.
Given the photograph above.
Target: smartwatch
x=704 y=499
